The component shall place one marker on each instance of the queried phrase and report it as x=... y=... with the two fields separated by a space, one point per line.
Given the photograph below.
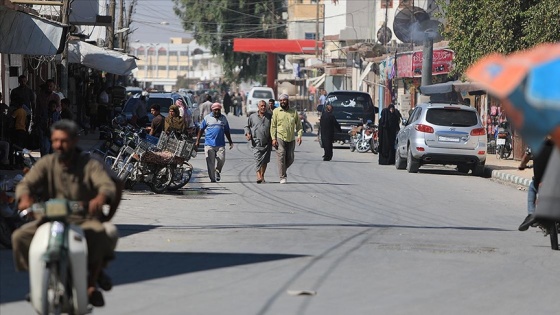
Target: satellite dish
x=413 y=24
x=405 y=18
x=384 y=35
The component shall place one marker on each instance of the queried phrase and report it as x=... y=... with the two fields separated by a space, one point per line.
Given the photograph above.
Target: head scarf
x=179 y=102
x=283 y=96
x=175 y=109
x=216 y=106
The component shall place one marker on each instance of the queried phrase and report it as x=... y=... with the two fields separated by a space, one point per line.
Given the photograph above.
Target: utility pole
x=110 y=37
x=64 y=64
x=317 y=30
x=121 y=21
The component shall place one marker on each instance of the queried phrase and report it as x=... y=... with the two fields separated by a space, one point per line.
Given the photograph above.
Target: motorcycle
x=355 y=136
x=58 y=261
x=306 y=125
x=504 y=146
x=138 y=162
x=368 y=139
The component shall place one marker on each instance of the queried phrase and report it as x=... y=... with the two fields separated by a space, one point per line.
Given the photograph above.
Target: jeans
x=285 y=154
x=531 y=198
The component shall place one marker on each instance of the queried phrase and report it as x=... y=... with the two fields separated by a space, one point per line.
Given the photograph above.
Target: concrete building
x=160 y=64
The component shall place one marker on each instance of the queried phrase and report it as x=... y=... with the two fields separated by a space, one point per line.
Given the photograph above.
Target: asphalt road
x=342 y=237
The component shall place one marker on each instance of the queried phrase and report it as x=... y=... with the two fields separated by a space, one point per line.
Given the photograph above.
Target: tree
x=477 y=28
x=215 y=23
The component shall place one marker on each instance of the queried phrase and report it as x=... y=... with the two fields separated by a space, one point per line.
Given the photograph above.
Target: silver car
x=446 y=134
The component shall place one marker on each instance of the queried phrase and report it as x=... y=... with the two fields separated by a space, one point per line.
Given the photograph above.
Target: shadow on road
x=131 y=267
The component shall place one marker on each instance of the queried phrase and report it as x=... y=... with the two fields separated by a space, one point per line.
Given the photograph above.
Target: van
x=255 y=95
x=350 y=108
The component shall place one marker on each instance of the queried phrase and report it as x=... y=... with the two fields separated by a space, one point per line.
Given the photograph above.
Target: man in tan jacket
x=70 y=174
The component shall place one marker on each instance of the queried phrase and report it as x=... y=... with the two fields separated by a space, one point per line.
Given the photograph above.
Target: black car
x=350 y=108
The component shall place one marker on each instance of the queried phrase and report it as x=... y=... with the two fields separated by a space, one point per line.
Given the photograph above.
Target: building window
x=162 y=67
x=174 y=68
x=309 y=35
x=184 y=68
x=151 y=52
x=172 y=53
x=386 y=4
x=184 y=53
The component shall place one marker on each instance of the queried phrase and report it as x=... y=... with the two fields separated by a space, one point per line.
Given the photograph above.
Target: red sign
x=409 y=65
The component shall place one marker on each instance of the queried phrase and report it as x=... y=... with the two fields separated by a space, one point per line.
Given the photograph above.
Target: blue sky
x=155 y=22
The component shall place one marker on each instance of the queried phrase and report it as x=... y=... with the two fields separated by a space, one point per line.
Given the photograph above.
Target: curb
x=514 y=179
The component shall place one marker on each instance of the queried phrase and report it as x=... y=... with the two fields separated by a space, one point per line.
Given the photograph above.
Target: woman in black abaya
x=388 y=129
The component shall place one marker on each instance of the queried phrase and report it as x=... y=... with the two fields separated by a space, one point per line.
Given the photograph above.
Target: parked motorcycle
x=138 y=162
x=368 y=139
x=355 y=136
x=58 y=261
x=504 y=142
x=307 y=127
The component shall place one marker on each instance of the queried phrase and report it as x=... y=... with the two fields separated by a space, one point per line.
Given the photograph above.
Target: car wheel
x=400 y=163
x=412 y=164
x=478 y=170
x=463 y=168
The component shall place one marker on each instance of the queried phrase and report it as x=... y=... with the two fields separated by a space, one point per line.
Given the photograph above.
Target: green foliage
x=477 y=28
x=215 y=23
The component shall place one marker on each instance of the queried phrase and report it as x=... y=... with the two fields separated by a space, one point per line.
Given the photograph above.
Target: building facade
x=161 y=64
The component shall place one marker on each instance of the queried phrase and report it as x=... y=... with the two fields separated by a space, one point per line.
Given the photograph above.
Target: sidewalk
x=87 y=143
x=503 y=170
x=506 y=170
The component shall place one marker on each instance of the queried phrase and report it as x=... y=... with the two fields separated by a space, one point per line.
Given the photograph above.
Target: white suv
x=442 y=134
x=255 y=95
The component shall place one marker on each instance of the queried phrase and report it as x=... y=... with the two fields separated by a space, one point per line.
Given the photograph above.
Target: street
x=347 y=236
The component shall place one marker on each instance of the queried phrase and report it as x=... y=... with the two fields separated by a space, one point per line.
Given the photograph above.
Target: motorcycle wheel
x=181 y=176
x=362 y=146
x=506 y=154
x=374 y=146
x=5 y=234
x=499 y=150
x=161 y=180
x=52 y=292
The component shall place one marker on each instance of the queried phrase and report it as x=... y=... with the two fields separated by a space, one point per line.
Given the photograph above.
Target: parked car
x=351 y=109
x=445 y=134
x=165 y=100
x=255 y=95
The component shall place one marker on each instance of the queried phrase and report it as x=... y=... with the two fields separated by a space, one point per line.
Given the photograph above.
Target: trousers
x=285 y=155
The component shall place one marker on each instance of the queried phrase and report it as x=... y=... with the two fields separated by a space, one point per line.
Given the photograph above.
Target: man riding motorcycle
x=70 y=174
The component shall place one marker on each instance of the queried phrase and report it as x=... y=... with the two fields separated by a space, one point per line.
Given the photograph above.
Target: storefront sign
x=409 y=65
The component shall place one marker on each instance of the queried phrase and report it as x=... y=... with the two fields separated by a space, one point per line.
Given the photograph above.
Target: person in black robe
x=388 y=129
x=328 y=125
x=228 y=103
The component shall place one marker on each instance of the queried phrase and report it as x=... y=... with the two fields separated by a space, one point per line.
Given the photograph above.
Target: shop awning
x=451 y=86
x=26 y=34
x=100 y=59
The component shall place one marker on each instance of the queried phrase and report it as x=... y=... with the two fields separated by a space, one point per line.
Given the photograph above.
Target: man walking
x=328 y=125
x=283 y=125
x=206 y=107
x=215 y=126
x=258 y=132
